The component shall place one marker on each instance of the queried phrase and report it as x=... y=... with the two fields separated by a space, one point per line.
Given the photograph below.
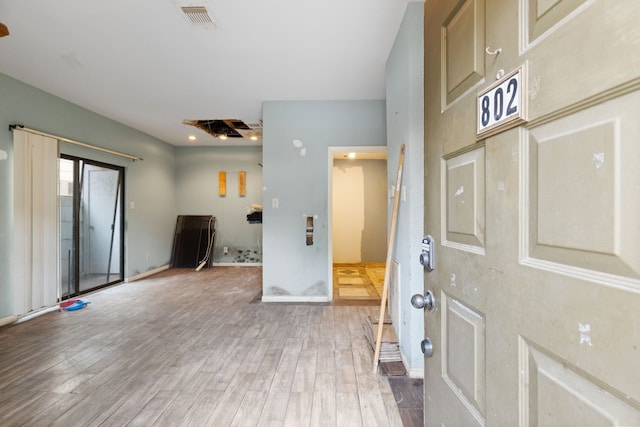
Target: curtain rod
x=71 y=141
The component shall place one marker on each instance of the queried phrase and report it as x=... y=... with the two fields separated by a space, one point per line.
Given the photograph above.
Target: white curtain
x=35 y=218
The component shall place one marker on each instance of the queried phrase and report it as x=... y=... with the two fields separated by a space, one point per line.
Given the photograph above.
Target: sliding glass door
x=91 y=225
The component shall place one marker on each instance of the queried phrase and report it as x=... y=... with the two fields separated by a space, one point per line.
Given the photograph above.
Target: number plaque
x=503 y=105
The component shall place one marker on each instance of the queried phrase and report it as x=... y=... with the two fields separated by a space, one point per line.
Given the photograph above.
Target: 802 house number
x=494 y=109
x=502 y=105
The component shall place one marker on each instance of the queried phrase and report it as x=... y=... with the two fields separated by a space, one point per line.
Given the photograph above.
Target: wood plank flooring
x=186 y=348
x=409 y=395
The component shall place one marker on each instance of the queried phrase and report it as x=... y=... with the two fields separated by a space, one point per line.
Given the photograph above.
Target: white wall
x=296 y=179
x=405 y=120
x=359 y=210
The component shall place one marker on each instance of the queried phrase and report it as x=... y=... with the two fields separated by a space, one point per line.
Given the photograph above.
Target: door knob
x=427 y=301
x=426 y=347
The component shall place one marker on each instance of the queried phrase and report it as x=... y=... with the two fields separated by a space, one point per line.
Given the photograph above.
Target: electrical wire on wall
x=210 y=236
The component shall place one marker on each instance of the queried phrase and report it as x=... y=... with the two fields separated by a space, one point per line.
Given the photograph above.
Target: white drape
x=35 y=218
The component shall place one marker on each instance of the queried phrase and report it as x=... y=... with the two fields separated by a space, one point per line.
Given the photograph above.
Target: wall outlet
x=225 y=250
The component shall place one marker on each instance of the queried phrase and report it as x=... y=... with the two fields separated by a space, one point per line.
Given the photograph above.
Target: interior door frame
x=332 y=150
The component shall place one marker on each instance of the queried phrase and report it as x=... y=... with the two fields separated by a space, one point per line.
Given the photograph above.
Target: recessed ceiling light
x=254 y=138
x=352 y=155
x=192 y=137
x=223 y=137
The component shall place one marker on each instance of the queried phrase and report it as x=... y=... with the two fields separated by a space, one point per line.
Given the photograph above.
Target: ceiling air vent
x=198 y=16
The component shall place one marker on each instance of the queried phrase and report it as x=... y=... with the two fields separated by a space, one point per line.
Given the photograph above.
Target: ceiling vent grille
x=198 y=15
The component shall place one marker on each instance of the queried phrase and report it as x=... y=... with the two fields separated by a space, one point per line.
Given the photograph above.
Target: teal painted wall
x=405 y=125
x=298 y=178
x=197 y=194
x=150 y=184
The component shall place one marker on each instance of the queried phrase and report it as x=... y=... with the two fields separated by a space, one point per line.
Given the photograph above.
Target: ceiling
x=145 y=64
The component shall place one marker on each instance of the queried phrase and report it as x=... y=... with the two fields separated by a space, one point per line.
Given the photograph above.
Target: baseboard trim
x=37 y=313
x=236 y=264
x=292 y=298
x=411 y=372
x=8 y=320
x=416 y=373
x=146 y=274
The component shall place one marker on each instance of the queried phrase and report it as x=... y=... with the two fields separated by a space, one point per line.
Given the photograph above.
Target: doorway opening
x=91 y=225
x=357 y=224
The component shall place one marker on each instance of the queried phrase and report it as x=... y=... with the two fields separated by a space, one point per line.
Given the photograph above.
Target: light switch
x=275 y=203
x=132 y=205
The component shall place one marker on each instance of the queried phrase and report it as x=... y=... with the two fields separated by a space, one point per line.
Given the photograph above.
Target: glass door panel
x=99 y=227
x=67 y=174
x=91 y=225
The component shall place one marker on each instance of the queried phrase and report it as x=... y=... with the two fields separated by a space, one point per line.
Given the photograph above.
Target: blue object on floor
x=77 y=305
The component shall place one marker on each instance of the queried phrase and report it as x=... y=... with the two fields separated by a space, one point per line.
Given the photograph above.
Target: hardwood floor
x=186 y=348
x=409 y=394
